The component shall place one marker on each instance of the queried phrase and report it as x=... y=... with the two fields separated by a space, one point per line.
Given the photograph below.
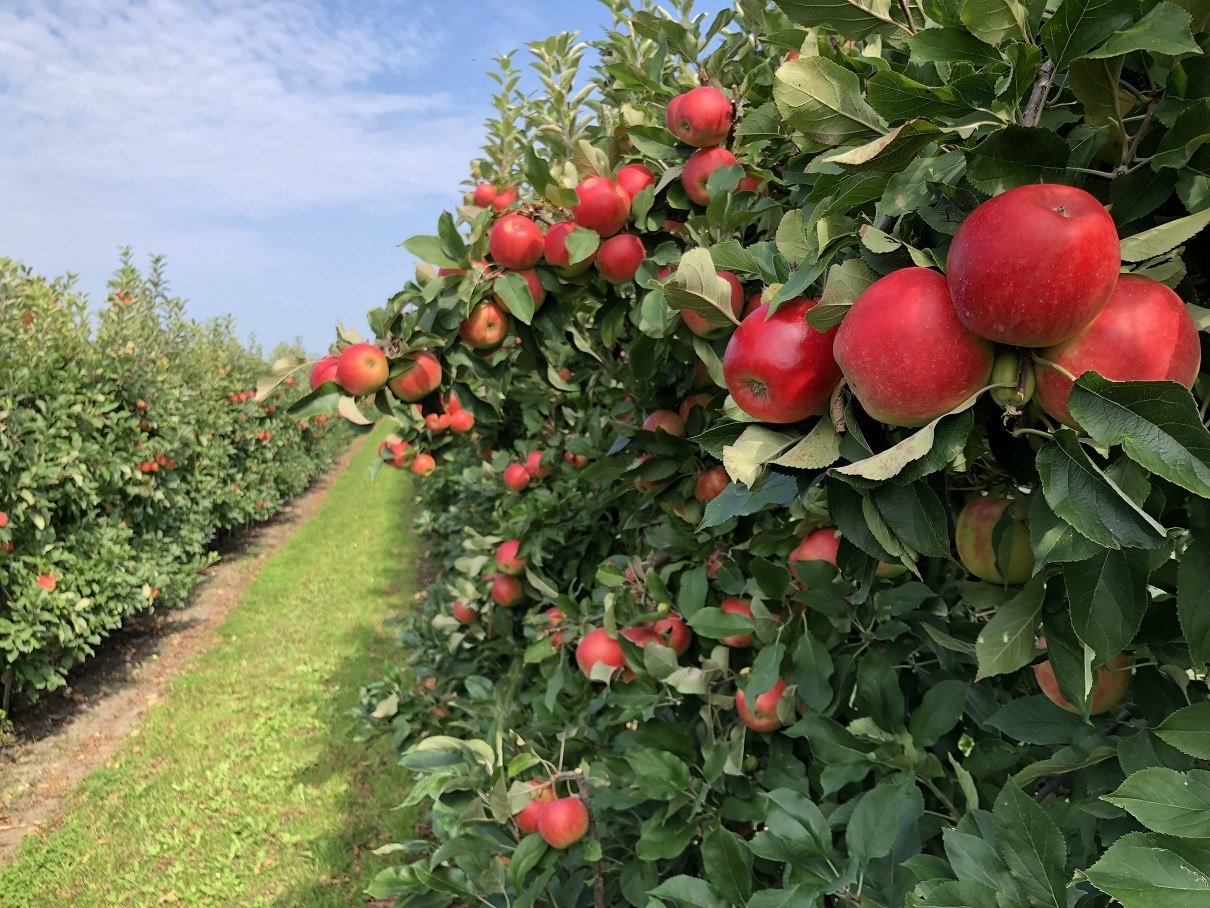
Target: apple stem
x=1033 y=109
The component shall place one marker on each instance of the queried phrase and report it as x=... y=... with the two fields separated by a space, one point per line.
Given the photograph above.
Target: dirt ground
x=57 y=741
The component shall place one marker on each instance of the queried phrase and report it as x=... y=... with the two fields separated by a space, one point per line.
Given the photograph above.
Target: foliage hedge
x=918 y=764
x=129 y=442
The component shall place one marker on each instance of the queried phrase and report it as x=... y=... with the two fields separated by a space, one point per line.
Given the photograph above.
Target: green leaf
x=660 y=774
x=900 y=98
x=845 y=282
x=817 y=449
x=1164 y=30
x=851 y=18
x=1163 y=238
x=953 y=894
x=793 y=242
x=429 y=249
x=1156 y=423
x=1054 y=540
x=715 y=623
x=1007 y=642
x=1078 y=26
x=952 y=45
x=1034 y=720
x=728 y=864
x=823 y=100
x=1081 y=494
x=1032 y=847
x=995 y=21
x=664 y=837
x=811 y=672
x=1193 y=600
x=1167 y=801
x=1143 y=870
x=1017 y=155
x=1108 y=596
x=889 y=153
x=871 y=831
x=778 y=490
x=696 y=286
x=746 y=457
x=917 y=448
x=1188 y=730
x=514 y=292
x=688 y=892
x=581 y=244
x=939 y=710
x=916 y=514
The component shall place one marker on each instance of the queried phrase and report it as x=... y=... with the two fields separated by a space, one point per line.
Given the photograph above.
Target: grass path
x=243 y=786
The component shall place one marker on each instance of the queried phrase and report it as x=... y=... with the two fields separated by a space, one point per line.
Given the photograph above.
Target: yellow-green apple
x=763 y=714
x=324 y=370
x=485 y=327
x=563 y=822
x=975 y=541
x=698 y=324
x=507 y=559
x=556 y=250
x=904 y=353
x=736 y=606
x=1144 y=333
x=1112 y=679
x=420 y=376
x=778 y=368
x=484 y=195
x=602 y=205
x=362 y=369
x=634 y=178
x=597 y=647
x=710 y=484
x=698 y=169
x=1033 y=265
x=516 y=242
x=619 y=258
x=463 y=613
x=700 y=117
x=516 y=477
x=664 y=421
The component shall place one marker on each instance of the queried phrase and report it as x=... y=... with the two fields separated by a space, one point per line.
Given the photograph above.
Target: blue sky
x=276 y=151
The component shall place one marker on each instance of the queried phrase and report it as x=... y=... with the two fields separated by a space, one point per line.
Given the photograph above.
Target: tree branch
x=1033 y=109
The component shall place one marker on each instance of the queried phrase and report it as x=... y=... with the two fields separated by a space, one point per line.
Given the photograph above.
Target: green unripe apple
x=1012 y=561
x=1007 y=371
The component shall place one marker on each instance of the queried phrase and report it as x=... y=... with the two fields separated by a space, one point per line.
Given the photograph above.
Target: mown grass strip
x=244 y=786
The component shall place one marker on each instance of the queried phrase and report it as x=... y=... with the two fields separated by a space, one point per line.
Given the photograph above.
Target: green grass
x=244 y=785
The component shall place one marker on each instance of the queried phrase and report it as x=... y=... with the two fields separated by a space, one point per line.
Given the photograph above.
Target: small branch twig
x=1033 y=109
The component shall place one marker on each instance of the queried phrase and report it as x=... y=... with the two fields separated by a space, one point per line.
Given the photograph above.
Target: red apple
x=1033 y=265
x=484 y=195
x=507 y=560
x=619 y=258
x=701 y=327
x=664 y=421
x=576 y=461
x=710 y=484
x=556 y=250
x=905 y=355
x=753 y=303
x=463 y=613
x=534 y=466
x=603 y=205
x=634 y=178
x=424 y=464
x=555 y=617
x=750 y=183
x=461 y=421
x=527 y=817
x=420 y=376
x=974 y=538
x=763 y=716
x=324 y=370
x=362 y=369
x=516 y=477
x=598 y=647
x=700 y=117
x=504 y=198
x=675 y=633
x=642 y=635
x=693 y=402
x=485 y=327
x=3 y=520
x=47 y=582
x=516 y=242
x=778 y=368
x=1144 y=333
x=536 y=291
x=698 y=169
x=1111 y=682
x=506 y=590
x=736 y=606
x=821 y=545
x=563 y=822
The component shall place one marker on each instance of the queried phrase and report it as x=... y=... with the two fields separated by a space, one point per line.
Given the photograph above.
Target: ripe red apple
x=506 y=590
x=516 y=242
x=462 y=421
x=424 y=464
x=697 y=323
x=973 y=536
x=555 y=617
x=534 y=466
x=556 y=250
x=563 y=822
x=485 y=327
x=463 y=613
x=536 y=291
x=504 y=198
x=675 y=633
x=1033 y=265
x=753 y=303
x=664 y=421
x=527 y=817
x=362 y=369
x=3 y=520
x=700 y=117
x=1111 y=682
x=778 y=368
x=576 y=461
x=634 y=178
x=598 y=647
x=603 y=205
x=47 y=582
x=420 y=377
x=507 y=560
x=324 y=370
x=1144 y=333
x=820 y=545
x=763 y=715
x=642 y=635
x=698 y=169
x=736 y=606
x=905 y=355
x=692 y=402
x=710 y=484
x=750 y=183
x=516 y=477
x=619 y=258
x=484 y=195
